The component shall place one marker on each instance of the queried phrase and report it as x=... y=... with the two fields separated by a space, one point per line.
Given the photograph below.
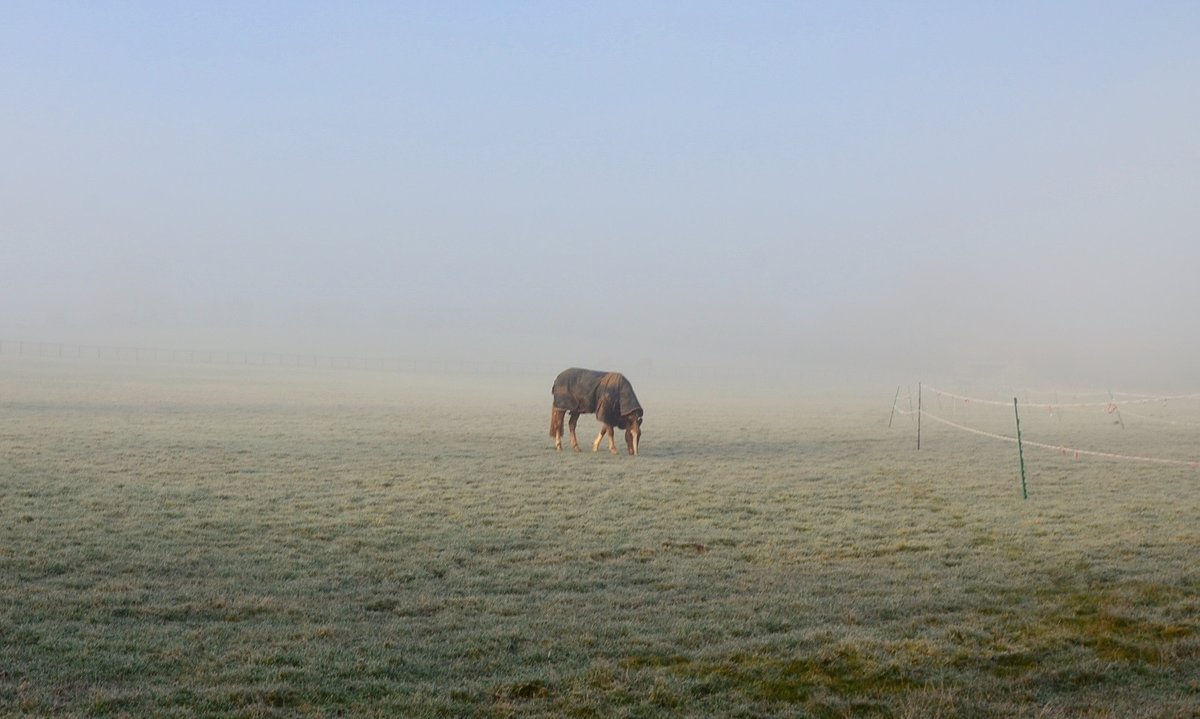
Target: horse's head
x=633 y=430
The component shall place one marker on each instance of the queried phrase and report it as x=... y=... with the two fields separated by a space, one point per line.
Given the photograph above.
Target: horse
x=608 y=394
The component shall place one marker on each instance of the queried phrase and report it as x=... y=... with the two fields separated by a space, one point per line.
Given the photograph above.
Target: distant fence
x=1111 y=406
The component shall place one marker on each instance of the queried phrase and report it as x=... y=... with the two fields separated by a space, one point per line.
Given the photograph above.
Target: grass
x=249 y=542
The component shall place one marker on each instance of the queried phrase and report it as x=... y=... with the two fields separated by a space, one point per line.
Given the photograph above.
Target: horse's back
x=575 y=389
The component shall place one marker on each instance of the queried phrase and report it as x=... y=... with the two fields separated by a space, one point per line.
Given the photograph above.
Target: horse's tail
x=556 y=421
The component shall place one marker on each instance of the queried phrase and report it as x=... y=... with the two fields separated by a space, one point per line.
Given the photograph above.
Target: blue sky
x=941 y=186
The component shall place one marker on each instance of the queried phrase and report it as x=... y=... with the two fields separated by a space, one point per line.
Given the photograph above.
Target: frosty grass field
x=196 y=540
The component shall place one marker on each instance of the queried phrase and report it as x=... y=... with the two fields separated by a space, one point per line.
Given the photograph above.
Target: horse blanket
x=608 y=394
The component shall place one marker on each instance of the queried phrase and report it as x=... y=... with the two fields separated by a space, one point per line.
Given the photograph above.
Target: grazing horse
x=608 y=394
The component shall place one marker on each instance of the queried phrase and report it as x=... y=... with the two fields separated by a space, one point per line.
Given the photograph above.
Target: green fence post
x=1020 y=450
x=919 y=415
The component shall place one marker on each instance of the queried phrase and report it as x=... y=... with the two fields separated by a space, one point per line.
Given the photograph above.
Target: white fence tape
x=1108 y=404
x=1160 y=420
x=1063 y=450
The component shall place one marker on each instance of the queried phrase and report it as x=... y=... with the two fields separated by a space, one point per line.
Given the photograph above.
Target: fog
x=879 y=190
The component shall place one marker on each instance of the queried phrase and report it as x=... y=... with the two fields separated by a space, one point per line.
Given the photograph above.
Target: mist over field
x=868 y=191
x=284 y=287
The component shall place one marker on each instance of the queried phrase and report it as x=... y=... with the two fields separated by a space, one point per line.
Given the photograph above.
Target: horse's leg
x=600 y=438
x=605 y=431
x=574 y=439
x=629 y=441
x=556 y=426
